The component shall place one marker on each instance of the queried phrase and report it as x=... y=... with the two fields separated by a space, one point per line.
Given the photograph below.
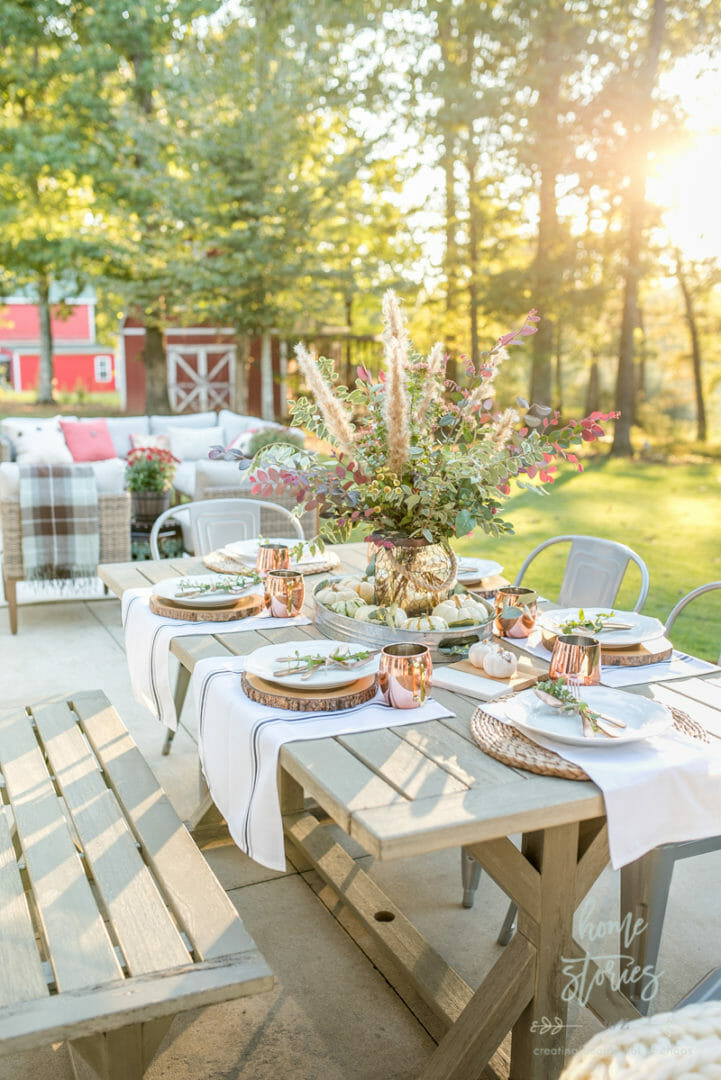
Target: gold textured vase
x=412 y=573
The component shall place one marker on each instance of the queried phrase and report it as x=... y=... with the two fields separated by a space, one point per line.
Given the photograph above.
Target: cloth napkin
x=680 y=666
x=147 y=647
x=657 y=791
x=239 y=742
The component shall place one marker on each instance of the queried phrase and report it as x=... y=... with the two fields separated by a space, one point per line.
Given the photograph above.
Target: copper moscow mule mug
x=272 y=557
x=284 y=593
x=576 y=657
x=520 y=606
x=404 y=674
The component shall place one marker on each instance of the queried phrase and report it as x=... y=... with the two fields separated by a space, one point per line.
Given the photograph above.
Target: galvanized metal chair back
x=594 y=570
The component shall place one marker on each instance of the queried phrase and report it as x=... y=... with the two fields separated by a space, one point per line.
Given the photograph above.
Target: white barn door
x=200 y=377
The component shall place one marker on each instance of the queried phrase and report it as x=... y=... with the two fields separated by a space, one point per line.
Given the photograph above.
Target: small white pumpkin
x=478 y=652
x=500 y=665
x=366 y=590
x=392 y=616
x=426 y=622
x=471 y=609
x=366 y=612
x=447 y=609
x=347 y=606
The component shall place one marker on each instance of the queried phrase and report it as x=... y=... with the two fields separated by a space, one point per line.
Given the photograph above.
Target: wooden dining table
x=424 y=787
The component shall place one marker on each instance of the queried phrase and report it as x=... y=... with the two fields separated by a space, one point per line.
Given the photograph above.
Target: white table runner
x=657 y=791
x=680 y=666
x=239 y=742
x=147 y=647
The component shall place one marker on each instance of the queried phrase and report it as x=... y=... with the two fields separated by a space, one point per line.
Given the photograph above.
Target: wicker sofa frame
x=114 y=542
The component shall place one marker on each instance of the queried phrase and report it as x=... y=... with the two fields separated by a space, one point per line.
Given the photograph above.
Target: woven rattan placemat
x=509 y=745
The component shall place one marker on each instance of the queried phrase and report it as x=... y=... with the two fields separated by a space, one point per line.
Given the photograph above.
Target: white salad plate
x=642 y=627
x=270 y=663
x=169 y=589
x=247 y=550
x=471 y=570
x=644 y=718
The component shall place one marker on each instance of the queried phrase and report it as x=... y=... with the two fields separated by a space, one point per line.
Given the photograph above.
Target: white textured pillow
x=193 y=444
x=38 y=442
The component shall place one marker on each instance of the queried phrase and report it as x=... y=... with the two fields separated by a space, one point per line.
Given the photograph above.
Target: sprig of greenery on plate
x=229 y=584
x=311 y=662
x=557 y=688
x=586 y=622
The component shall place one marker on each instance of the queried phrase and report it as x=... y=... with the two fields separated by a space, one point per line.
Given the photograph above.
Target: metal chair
x=211 y=523
x=594 y=571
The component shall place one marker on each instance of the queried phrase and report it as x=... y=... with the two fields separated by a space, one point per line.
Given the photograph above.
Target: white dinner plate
x=232 y=588
x=268 y=663
x=247 y=550
x=470 y=570
x=644 y=718
x=643 y=627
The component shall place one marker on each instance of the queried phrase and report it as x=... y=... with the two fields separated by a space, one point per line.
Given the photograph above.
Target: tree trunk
x=701 y=430
x=643 y=84
x=593 y=389
x=267 y=404
x=156 y=371
x=474 y=228
x=45 y=372
x=242 y=364
x=544 y=292
x=558 y=372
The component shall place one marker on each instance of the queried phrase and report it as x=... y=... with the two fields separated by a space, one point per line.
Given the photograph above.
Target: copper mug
x=404 y=674
x=284 y=593
x=272 y=557
x=515 y=611
x=576 y=658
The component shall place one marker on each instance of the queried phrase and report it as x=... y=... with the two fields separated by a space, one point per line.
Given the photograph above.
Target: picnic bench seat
x=111 y=920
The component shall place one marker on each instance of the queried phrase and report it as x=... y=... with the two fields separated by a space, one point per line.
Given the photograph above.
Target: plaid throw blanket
x=60 y=522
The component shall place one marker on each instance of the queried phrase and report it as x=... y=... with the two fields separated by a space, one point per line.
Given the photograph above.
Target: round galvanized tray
x=377 y=635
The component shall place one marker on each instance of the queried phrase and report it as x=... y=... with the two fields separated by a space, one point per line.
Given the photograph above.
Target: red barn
x=78 y=359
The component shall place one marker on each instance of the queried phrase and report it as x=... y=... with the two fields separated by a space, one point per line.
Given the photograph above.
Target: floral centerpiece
x=417 y=458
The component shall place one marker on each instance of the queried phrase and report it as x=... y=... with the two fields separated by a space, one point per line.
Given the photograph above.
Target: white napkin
x=657 y=791
x=147 y=647
x=239 y=742
x=463 y=682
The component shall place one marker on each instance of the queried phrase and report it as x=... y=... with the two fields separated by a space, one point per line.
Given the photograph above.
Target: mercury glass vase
x=412 y=573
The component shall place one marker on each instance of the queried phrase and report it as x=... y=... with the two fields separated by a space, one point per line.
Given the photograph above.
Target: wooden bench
x=111 y=920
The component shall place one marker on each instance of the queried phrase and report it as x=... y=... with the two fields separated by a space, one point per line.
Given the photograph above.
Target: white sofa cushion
x=193 y=444
x=121 y=428
x=109 y=477
x=233 y=424
x=38 y=442
x=161 y=425
x=184 y=478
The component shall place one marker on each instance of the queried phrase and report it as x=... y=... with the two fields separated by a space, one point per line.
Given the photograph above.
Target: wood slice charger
x=242 y=607
x=287 y=697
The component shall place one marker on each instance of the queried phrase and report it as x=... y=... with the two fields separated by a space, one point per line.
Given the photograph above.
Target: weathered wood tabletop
x=425 y=787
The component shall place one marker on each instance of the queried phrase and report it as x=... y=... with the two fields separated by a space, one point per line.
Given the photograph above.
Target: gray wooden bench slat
x=108 y=799
x=146 y=933
x=22 y=976
x=81 y=952
x=192 y=890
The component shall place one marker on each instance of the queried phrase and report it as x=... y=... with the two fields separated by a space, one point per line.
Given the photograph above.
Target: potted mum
x=417 y=458
x=149 y=474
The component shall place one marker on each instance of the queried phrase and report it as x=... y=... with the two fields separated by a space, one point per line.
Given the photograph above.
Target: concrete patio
x=332 y=1015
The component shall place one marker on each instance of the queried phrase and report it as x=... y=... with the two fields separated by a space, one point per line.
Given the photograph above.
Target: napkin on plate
x=147 y=647
x=239 y=742
x=657 y=791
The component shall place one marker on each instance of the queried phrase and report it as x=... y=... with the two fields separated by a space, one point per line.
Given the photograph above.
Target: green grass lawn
x=670 y=514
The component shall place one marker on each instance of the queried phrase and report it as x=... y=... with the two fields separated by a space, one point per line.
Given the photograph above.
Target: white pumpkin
x=447 y=609
x=471 y=609
x=500 y=665
x=392 y=616
x=364 y=589
x=478 y=652
x=366 y=612
x=347 y=606
x=426 y=622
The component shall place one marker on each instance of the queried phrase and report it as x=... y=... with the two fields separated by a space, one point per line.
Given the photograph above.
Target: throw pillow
x=138 y=441
x=38 y=442
x=193 y=444
x=88 y=440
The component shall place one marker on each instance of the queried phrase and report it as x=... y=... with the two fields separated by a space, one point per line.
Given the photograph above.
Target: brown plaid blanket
x=60 y=522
